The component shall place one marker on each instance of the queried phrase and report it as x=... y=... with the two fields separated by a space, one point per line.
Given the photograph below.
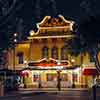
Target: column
x=59 y=53
x=49 y=52
x=30 y=51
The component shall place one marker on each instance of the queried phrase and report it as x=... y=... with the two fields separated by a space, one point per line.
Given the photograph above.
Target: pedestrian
x=39 y=82
x=59 y=84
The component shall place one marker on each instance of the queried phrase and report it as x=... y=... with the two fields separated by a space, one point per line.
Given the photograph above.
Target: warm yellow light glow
x=77 y=70
x=51 y=28
x=55 y=27
x=72 y=60
x=58 y=63
x=32 y=33
x=25 y=61
x=62 y=17
x=23 y=46
x=45 y=37
x=50 y=71
x=71 y=26
x=45 y=18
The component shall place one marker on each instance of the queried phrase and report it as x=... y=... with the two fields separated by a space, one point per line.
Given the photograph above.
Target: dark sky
x=34 y=11
x=77 y=8
x=74 y=9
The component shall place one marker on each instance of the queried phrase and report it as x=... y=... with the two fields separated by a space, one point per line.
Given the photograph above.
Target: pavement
x=22 y=91
x=34 y=90
x=47 y=94
x=67 y=92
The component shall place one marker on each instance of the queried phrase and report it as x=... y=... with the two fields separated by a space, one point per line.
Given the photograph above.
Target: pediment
x=49 y=21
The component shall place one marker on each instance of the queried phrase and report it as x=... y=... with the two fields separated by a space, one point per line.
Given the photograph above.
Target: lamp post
x=32 y=33
x=58 y=78
x=73 y=84
x=14 y=49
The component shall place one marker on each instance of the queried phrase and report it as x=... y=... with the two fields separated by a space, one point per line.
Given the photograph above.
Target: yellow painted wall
x=35 y=53
x=23 y=48
x=37 y=49
x=10 y=59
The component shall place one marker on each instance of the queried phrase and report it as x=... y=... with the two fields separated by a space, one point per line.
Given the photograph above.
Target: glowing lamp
x=15 y=40
x=73 y=60
x=32 y=33
x=15 y=34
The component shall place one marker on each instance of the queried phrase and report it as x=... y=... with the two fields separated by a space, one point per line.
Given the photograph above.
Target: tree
x=90 y=36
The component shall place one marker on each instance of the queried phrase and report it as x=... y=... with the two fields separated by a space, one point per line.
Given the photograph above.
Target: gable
x=59 y=21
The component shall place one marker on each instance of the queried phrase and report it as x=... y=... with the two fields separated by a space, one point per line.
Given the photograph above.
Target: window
x=36 y=77
x=20 y=57
x=54 y=53
x=45 y=52
x=64 y=53
x=64 y=77
x=51 y=77
x=75 y=77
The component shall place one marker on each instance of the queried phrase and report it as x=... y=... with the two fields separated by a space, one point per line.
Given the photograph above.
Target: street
x=56 y=95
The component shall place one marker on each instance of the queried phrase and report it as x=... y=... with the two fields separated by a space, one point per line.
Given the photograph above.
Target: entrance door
x=65 y=80
x=36 y=80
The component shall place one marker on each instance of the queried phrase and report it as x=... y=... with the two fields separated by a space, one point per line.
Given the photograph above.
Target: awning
x=90 y=71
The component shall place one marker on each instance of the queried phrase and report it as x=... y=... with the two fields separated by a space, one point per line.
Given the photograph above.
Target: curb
x=38 y=92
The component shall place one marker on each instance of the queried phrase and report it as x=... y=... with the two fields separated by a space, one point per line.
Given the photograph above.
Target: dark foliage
x=90 y=30
x=90 y=35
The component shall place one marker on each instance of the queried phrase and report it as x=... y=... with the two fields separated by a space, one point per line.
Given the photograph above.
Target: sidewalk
x=50 y=89
x=25 y=90
x=45 y=90
x=35 y=91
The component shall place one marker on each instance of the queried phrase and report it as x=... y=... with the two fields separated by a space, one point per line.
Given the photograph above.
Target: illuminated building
x=46 y=54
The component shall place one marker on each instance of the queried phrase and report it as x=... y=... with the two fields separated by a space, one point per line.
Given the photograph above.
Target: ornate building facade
x=46 y=58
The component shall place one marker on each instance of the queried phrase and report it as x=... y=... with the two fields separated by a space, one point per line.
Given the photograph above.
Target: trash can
x=1 y=89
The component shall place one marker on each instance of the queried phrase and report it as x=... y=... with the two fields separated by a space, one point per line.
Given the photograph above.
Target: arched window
x=20 y=56
x=45 y=52
x=54 y=53
x=64 y=53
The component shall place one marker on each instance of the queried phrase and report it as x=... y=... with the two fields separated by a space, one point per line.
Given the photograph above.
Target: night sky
x=29 y=12
x=32 y=11
x=35 y=10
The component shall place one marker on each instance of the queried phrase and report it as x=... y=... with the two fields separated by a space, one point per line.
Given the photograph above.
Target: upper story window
x=64 y=53
x=54 y=53
x=20 y=57
x=45 y=52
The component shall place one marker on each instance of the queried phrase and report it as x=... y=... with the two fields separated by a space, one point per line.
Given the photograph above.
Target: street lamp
x=15 y=35
x=73 y=84
x=32 y=33
x=15 y=40
x=58 y=78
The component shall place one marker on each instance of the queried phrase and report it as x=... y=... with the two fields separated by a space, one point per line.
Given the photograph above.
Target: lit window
x=64 y=77
x=64 y=53
x=45 y=52
x=51 y=77
x=54 y=53
x=36 y=77
x=75 y=77
x=20 y=57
